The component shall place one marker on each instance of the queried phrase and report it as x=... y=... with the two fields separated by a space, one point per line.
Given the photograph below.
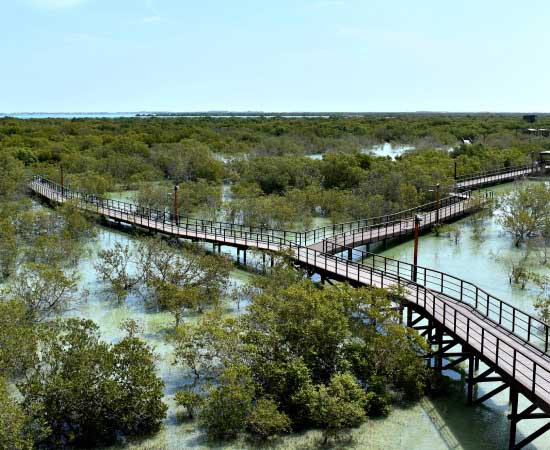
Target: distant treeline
x=274 y=182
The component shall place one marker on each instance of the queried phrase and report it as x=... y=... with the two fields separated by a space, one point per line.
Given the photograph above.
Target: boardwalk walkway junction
x=462 y=322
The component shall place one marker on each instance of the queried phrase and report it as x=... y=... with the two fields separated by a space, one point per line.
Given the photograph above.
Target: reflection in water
x=442 y=422
x=386 y=149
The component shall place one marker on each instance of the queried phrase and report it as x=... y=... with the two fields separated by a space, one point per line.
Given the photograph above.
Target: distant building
x=544 y=160
x=530 y=118
x=538 y=131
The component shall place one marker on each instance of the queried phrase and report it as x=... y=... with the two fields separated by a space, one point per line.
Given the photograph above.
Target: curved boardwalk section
x=490 y=178
x=448 y=311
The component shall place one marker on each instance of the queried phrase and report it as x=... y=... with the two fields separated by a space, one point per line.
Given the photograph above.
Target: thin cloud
x=56 y=4
x=154 y=16
x=151 y=19
x=328 y=3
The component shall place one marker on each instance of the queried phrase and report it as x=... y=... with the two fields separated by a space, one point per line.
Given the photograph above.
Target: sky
x=274 y=55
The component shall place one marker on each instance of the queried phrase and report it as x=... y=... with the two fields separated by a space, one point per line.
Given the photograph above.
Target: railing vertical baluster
x=534 y=376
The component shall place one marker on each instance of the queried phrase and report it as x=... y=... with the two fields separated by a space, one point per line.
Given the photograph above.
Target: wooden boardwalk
x=504 y=337
x=494 y=177
x=398 y=228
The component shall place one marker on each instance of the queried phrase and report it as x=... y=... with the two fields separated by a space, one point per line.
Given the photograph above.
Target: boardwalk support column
x=527 y=413
x=469 y=381
x=350 y=254
x=513 y=418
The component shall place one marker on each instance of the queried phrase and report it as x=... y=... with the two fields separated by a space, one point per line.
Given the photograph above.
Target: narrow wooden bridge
x=461 y=321
x=477 y=180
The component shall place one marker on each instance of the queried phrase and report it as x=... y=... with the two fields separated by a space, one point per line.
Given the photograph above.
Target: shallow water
x=485 y=426
x=438 y=423
x=385 y=149
x=388 y=149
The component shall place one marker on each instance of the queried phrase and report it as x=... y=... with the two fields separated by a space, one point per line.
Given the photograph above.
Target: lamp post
x=62 y=180
x=455 y=169
x=176 y=214
x=417 y=220
x=437 y=200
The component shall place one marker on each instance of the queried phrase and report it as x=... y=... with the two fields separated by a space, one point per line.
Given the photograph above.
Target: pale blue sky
x=281 y=55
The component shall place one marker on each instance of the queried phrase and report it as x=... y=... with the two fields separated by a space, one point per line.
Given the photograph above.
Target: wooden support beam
x=410 y=322
x=470 y=377
x=443 y=350
x=531 y=437
x=513 y=418
x=490 y=394
x=485 y=374
x=488 y=379
x=455 y=354
x=455 y=362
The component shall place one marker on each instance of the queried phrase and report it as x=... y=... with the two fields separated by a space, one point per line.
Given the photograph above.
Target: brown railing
x=149 y=215
x=318 y=234
x=525 y=326
x=516 y=359
x=387 y=230
x=519 y=354
x=491 y=176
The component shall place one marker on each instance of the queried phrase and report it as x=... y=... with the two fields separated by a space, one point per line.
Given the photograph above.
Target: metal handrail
x=317 y=234
x=433 y=302
x=494 y=172
x=376 y=231
x=158 y=215
x=527 y=327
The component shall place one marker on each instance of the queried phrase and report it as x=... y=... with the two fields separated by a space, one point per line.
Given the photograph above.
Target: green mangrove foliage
x=525 y=212
x=87 y=392
x=174 y=278
x=300 y=356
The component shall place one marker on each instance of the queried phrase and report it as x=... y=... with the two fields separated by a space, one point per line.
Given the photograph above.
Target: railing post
x=454 y=323
x=534 y=377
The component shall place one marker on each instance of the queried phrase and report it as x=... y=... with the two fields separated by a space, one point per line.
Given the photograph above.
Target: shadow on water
x=476 y=427
x=438 y=422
